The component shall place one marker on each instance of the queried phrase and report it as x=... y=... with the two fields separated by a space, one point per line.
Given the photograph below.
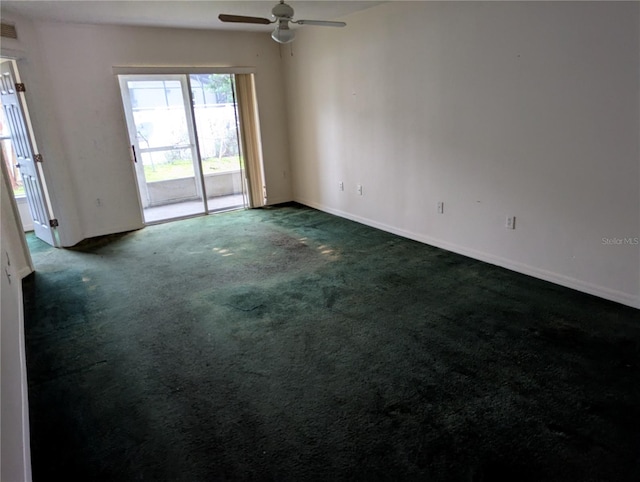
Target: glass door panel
x=216 y=120
x=163 y=140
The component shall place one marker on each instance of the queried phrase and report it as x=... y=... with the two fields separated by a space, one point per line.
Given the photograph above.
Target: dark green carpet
x=288 y=344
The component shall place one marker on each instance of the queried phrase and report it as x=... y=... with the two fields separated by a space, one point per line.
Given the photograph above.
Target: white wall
x=83 y=129
x=15 y=458
x=503 y=108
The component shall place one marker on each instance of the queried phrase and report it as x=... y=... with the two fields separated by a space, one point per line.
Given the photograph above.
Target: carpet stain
x=247 y=300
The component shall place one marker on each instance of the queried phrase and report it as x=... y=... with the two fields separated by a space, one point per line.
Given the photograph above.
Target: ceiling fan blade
x=243 y=19
x=321 y=23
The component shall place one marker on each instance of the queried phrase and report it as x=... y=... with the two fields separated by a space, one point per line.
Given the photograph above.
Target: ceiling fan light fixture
x=282 y=34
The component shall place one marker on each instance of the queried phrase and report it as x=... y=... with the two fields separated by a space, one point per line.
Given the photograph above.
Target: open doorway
x=186 y=143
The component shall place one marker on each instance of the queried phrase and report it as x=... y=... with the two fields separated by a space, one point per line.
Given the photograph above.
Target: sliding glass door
x=216 y=119
x=185 y=145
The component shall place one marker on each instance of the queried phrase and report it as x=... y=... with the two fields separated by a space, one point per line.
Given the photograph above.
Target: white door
x=23 y=150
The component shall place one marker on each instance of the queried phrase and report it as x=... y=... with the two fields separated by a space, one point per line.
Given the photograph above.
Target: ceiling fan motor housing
x=282 y=10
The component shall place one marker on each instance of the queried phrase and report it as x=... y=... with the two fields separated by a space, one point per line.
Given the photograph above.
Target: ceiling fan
x=281 y=14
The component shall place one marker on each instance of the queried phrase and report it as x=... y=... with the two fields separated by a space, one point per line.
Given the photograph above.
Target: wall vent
x=8 y=31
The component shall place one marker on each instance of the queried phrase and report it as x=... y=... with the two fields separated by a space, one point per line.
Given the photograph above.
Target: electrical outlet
x=441 y=207
x=341 y=186
x=360 y=189
x=510 y=223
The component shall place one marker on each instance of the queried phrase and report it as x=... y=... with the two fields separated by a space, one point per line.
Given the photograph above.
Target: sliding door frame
x=185 y=87
x=248 y=178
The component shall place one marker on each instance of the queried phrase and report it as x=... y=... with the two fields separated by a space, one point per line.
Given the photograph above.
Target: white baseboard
x=116 y=230
x=24 y=272
x=26 y=453
x=275 y=200
x=557 y=278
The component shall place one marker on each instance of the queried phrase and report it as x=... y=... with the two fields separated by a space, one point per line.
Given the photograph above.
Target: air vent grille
x=8 y=31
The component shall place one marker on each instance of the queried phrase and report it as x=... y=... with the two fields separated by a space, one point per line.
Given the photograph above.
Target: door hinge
x=38 y=158
x=53 y=223
x=20 y=87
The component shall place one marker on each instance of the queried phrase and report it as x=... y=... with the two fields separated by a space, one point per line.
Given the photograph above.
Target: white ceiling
x=201 y=14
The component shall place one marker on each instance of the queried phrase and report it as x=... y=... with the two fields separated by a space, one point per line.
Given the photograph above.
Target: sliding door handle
x=133 y=149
